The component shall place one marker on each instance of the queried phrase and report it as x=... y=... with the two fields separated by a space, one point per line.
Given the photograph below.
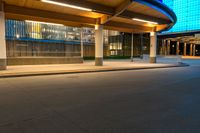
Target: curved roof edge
x=159 y=6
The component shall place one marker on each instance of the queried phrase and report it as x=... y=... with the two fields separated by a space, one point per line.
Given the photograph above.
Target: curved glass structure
x=188 y=14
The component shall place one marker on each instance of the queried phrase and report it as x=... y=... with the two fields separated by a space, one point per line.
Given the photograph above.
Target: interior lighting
x=145 y=21
x=66 y=5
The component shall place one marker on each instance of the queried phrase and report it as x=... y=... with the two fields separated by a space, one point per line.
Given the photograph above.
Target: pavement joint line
x=45 y=73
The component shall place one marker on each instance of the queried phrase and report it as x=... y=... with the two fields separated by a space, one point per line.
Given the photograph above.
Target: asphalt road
x=142 y=101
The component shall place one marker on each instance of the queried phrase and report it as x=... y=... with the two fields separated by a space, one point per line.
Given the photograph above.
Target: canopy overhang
x=120 y=15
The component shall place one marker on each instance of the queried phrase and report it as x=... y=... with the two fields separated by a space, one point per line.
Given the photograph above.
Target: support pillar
x=141 y=40
x=98 y=45
x=185 y=49
x=194 y=50
x=132 y=48
x=162 y=48
x=191 y=49
x=153 y=47
x=165 y=47
x=177 y=48
x=82 y=46
x=3 y=61
x=168 y=47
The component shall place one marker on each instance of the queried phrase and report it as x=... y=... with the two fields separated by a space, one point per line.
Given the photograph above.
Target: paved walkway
x=88 y=66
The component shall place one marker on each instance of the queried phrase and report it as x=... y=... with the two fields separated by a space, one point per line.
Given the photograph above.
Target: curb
x=86 y=71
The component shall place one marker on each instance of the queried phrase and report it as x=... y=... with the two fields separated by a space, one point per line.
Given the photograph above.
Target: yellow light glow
x=96 y=27
x=145 y=21
x=152 y=33
x=66 y=5
x=17 y=36
x=30 y=21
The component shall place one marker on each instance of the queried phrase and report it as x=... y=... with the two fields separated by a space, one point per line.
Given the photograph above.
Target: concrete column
x=99 y=45
x=3 y=63
x=141 y=40
x=82 y=50
x=185 y=49
x=165 y=47
x=177 y=48
x=132 y=48
x=191 y=49
x=153 y=47
x=194 y=50
x=168 y=47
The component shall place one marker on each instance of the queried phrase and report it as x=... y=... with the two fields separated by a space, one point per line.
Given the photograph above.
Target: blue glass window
x=188 y=14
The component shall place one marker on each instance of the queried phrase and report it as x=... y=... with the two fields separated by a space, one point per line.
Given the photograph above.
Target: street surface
x=163 y=100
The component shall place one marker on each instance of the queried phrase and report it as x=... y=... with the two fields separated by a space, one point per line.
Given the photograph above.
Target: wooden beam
x=110 y=12
x=123 y=6
x=124 y=29
x=99 y=8
x=42 y=19
x=129 y=15
x=16 y=10
x=23 y=13
x=118 y=10
x=1 y=5
x=128 y=26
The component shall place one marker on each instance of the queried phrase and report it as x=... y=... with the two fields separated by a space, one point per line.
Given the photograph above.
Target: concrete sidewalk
x=86 y=67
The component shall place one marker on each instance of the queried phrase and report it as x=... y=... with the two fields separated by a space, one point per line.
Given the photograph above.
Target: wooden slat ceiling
x=111 y=3
x=130 y=21
x=36 y=4
x=139 y=8
x=39 y=6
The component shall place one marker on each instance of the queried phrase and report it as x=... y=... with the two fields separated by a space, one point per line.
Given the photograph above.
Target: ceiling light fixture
x=145 y=21
x=66 y=5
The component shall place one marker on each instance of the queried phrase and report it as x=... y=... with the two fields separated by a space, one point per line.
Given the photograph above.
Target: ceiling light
x=145 y=21
x=66 y=5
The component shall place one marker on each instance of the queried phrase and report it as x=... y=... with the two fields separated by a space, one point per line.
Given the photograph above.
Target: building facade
x=28 y=41
x=52 y=31
x=183 y=38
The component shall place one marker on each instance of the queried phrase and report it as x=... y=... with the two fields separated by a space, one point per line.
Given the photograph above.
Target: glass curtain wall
x=188 y=14
x=120 y=44
x=29 y=38
x=39 y=39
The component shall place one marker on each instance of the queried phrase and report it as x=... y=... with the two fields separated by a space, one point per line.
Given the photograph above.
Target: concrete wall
x=43 y=60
